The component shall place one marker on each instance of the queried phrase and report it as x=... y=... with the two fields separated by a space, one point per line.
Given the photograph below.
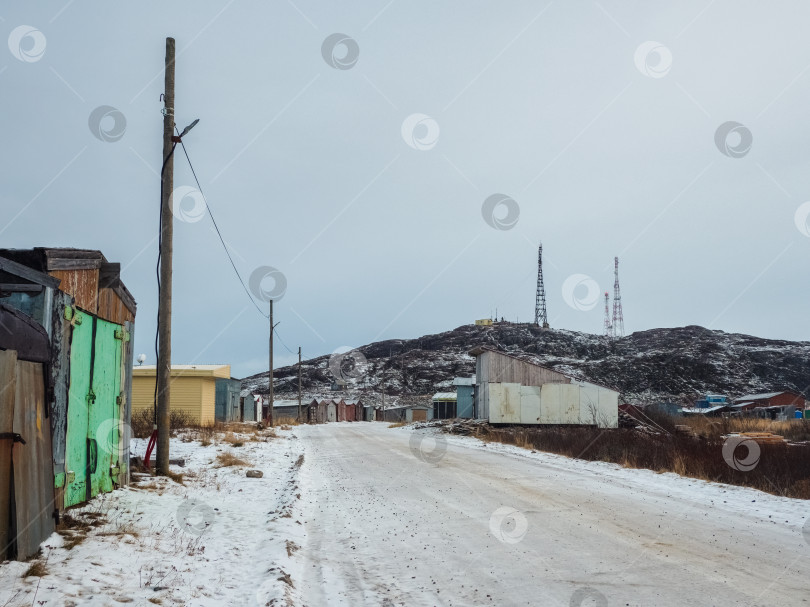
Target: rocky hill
x=657 y=365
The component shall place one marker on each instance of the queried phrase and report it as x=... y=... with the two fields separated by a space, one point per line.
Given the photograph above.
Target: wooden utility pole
x=299 y=385
x=270 y=375
x=163 y=370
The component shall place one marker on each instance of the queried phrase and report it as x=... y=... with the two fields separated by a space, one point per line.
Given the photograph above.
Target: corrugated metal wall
x=23 y=411
x=553 y=403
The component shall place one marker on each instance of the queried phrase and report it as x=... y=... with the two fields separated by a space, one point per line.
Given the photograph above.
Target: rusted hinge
x=72 y=314
x=91 y=397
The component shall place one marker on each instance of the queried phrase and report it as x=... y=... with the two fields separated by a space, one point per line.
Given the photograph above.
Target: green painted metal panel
x=93 y=429
x=103 y=436
x=81 y=347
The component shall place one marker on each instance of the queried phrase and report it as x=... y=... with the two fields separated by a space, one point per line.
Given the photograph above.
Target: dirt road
x=390 y=520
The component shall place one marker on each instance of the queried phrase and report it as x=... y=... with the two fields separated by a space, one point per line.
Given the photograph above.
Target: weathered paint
x=103 y=426
x=33 y=472
x=465 y=400
x=8 y=370
x=93 y=428
x=226 y=399
x=82 y=285
x=81 y=347
x=60 y=382
x=23 y=413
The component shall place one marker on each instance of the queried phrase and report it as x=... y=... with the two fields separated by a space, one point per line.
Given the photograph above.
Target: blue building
x=711 y=401
x=465 y=397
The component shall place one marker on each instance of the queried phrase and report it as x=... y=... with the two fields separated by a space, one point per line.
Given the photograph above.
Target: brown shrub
x=37 y=569
x=229 y=459
x=782 y=469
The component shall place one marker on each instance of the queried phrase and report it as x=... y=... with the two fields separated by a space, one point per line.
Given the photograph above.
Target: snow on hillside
x=660 y=364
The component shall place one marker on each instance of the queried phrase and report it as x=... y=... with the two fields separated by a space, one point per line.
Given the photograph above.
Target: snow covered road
x=357 y=514
x=397 y=517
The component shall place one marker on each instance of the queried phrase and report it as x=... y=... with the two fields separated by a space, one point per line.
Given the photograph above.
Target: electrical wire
x=216 y=227
x=225 y=247
x=282 y=341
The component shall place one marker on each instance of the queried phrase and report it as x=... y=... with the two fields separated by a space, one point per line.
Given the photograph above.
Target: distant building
x=771 y=405
x=510 y=390
x=226 y=400
x=418 y=413
x=248 y=406
x=773 y=399
x=444 y=405
x=465 y=397
x=711 y=401
x=193 y=390
x=484 y=322
x=339 y=384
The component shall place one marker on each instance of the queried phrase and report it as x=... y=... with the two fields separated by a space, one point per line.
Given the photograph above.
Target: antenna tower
x=608 y=326
x=618 y=316
x=540 y=314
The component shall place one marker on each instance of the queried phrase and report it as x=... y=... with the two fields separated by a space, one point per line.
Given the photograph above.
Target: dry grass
x=286 y=421
x=120 y=531
x=74 y=527
x=716 y=427
x=37 y=569
x=397 y=424
x=782 y=469
x=227 y=459
x=177 y=477
x=292 y=547
x=232 y=440
x=148 y=486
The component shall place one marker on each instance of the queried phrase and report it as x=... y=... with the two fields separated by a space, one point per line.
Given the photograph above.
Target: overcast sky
x=675 y=137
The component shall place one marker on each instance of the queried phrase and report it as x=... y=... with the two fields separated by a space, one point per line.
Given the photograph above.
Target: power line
x=216 y=227
x=282 y=341
x=225 y=247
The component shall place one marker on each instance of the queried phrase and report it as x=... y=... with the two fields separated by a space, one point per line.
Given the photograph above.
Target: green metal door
x=81 y=349
x=104 y=425
x=92 y=441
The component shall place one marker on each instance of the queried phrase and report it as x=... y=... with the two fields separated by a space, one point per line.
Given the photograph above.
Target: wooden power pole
x=300 y=419
x=163 y=370
x=270 y=375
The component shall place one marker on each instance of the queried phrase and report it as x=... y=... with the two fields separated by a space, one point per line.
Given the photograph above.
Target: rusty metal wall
x=82 y=285
x=33 y=468
x=110 y=307
x=8 y=371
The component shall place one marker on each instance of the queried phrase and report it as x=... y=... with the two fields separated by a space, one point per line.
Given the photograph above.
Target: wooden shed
x=77 y=299
x=226 y=399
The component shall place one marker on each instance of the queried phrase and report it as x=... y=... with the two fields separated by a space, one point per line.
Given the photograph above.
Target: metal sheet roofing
x=758 y=396
x=464 y=381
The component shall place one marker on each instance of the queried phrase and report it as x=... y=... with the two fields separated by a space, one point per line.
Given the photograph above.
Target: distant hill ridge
x=675 y=364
